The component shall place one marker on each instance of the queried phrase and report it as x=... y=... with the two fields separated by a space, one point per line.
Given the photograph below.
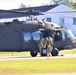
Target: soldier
x=43 y=44
x=46 y=43
x=49 y=46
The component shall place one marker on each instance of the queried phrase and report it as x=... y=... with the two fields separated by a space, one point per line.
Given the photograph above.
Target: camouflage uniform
x=46 y=43
x=42 y=44
x=49 y=46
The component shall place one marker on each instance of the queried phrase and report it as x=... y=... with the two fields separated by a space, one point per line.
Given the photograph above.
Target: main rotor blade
x=15 y=13
x=27 y=12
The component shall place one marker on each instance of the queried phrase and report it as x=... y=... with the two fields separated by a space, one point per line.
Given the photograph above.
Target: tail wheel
x=55 y=52
x=34 y=53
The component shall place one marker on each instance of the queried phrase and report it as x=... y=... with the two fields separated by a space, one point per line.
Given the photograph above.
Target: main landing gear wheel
x=33 y=53
x=54 y=52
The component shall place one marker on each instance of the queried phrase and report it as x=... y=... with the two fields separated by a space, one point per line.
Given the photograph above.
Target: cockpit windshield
x=70 y=34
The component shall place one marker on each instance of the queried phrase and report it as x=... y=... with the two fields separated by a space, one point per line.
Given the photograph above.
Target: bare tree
x=23 y=5
x=66 y=2
x=57 y=1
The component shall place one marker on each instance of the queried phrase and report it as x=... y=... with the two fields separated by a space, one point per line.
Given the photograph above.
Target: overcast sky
x=13 y=4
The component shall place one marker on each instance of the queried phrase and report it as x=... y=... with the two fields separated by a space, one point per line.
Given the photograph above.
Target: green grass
x=14 y=53
x=72 y=51
x=36 y=66
x=68 y=51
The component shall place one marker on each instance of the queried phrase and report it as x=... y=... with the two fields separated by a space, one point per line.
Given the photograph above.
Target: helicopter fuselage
x=25 y=36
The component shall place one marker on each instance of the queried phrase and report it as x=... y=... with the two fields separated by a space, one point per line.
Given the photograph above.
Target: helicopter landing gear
x=54 y=52
x=34 y=53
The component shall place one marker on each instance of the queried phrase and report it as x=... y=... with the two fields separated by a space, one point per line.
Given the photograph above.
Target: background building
x=59 y=14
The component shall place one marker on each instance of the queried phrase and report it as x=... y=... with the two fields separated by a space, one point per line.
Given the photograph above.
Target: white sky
x=13 y=4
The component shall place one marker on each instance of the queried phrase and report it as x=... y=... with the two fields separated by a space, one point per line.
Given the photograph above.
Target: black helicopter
x=25 y=35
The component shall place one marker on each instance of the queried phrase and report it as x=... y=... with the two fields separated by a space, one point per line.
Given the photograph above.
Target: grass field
x=72 y=51
x=38 y=66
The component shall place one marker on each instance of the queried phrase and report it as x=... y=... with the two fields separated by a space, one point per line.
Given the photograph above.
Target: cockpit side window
x=63 y=35
x=27 y=36
x=36 y=35
x=70 y=34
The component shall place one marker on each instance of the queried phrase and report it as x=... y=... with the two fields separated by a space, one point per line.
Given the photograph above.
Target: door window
x=27 y=36
x=57 y=36
x=36 y=35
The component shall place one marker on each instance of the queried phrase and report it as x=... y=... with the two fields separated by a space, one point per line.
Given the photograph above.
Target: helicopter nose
x=75 y=43
x=75 y=39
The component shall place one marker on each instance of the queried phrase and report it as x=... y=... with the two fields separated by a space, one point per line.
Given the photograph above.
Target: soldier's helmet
x=50 y=39
x=46 y=38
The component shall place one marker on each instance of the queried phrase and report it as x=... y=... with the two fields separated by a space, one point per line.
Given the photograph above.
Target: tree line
x=69 y=3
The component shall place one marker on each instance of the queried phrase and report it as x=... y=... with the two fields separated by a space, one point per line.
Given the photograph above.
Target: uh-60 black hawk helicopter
x=25 y=35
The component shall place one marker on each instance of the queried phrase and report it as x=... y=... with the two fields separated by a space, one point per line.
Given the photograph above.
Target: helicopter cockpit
x=70 y=34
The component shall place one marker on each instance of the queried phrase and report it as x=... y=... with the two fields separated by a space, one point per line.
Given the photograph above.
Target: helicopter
x=18 y=36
